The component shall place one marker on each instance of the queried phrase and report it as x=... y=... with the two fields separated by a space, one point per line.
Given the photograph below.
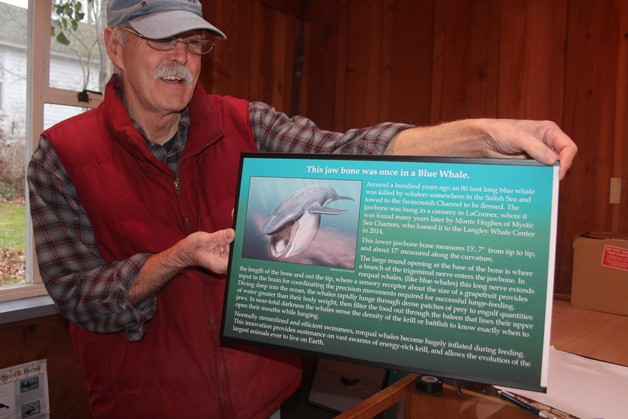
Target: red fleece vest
x=180 y=368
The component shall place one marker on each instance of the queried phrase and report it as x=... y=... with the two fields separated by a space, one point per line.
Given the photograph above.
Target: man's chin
x=174 y=103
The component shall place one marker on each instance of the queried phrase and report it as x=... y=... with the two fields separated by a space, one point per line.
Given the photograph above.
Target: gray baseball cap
x=159 y=19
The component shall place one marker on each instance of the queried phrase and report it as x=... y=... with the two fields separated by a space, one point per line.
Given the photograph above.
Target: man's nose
x=179 y=51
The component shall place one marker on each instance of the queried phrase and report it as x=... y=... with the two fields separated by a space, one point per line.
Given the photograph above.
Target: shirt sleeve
x=88 y=291
x=276 y=132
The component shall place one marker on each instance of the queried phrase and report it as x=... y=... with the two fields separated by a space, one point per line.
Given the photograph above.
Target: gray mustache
x=175 y=70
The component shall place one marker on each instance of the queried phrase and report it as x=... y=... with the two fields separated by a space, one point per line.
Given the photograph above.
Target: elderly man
x=132 y=203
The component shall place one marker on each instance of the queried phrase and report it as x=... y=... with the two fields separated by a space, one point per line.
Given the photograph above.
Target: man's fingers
x=222 y=237
x=229 y=235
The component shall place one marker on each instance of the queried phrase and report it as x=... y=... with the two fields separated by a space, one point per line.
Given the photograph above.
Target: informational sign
x=24 y=391
x=432 y=265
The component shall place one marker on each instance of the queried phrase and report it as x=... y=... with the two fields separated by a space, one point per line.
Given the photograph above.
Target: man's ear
x=114 y=48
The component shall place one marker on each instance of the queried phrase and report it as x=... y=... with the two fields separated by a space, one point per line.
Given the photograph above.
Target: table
x=593 y=334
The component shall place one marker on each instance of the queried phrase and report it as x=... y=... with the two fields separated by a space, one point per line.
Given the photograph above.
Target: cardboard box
x=600 y=273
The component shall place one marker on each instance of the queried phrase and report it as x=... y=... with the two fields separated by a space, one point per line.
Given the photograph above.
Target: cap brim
x=171 y=23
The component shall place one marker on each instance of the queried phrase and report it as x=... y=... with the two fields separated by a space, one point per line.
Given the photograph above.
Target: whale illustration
x=294 y=223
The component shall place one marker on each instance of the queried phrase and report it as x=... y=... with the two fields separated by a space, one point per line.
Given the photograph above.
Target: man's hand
x=200 y=249
x=499 y=138
x=207 y=250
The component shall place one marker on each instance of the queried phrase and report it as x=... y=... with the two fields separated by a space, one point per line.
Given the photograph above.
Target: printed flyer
x=432 y=265
x=24 y=391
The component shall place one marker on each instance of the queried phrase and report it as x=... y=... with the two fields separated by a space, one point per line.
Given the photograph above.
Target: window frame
x=38 y=94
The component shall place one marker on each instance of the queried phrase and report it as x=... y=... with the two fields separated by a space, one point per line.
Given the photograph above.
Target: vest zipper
x=180 y=199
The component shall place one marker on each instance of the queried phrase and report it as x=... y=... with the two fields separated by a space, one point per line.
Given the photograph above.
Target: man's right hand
x=199 y=249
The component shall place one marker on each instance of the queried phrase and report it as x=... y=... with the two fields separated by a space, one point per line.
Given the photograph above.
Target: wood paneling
x=468 y=38
x=363 y=63
x=227 y=69
x=409 y=51
x=257 y=60
x=532 y=60
x=320 y=75
x=595 y=39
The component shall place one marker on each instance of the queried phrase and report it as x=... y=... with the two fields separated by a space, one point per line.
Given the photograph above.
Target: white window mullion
x=39 y=65
x=70 y=98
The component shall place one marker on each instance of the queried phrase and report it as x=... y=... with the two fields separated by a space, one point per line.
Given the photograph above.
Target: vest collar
x=122 y=128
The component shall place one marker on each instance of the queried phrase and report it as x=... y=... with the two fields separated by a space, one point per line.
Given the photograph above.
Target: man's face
x=158 y=82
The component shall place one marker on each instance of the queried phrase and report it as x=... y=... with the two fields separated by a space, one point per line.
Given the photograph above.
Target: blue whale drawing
x=294 y=223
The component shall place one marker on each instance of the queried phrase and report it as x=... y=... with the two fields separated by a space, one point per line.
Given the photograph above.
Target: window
x=50 y=51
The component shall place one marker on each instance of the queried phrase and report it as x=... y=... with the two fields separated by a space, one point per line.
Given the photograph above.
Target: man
x=131 y=206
